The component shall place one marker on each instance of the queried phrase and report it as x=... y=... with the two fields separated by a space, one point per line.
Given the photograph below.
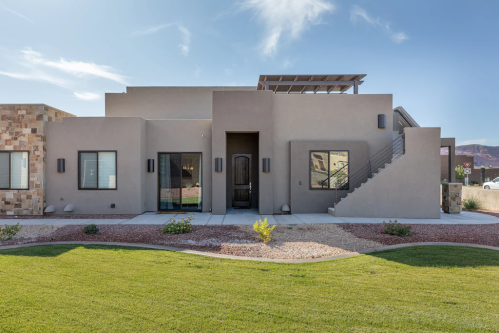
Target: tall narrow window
x=97 y=170
x=14 y=170
x=328 y=169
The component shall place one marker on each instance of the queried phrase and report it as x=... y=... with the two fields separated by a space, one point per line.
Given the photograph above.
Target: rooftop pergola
x=299 y=84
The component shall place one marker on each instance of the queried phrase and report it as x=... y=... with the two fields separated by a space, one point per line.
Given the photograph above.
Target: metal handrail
x=331 y=176
x=364 y=172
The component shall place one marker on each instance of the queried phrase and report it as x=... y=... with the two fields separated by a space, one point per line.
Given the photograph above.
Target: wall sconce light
x=61 y=165
x=266 y=165
x=150 y=165
x=381 y=121
x=218 y=164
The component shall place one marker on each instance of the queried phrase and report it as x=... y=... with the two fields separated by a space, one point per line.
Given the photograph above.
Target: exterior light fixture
x=218 y=164
x=61 y=165
x=381 y=121
x=150 y=165
x=266 y=165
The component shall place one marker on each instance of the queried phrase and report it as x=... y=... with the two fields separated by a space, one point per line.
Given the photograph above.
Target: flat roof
x=302 y=83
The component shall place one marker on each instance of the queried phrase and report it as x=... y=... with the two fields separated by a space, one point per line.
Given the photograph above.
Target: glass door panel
x=191 y=182
x=169 y=181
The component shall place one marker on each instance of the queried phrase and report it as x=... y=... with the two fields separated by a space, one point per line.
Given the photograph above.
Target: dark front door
x=241 y=180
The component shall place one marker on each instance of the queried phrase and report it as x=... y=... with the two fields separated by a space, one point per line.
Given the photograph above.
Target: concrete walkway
x=248 y=217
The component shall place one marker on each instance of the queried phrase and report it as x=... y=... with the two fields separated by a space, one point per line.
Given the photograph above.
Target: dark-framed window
x=97 y=170
x=329 y=168
x=14 y=170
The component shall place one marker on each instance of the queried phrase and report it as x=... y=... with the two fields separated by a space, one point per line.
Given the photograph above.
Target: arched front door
x=241 y=180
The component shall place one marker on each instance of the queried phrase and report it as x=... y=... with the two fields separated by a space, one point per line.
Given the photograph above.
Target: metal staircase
x=346 y=185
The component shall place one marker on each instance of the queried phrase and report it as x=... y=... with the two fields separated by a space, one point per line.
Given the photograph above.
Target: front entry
x=241 y=180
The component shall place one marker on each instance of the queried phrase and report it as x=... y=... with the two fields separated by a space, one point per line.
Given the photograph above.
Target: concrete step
x=330 y=210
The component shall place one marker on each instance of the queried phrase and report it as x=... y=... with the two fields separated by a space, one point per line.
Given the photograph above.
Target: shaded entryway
x=242 y=170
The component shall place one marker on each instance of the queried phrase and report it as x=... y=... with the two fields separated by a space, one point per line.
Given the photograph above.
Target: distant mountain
x=483 y=155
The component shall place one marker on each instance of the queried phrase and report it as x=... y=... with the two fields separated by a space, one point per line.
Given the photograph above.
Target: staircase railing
x=325 y=182
x=387 y=155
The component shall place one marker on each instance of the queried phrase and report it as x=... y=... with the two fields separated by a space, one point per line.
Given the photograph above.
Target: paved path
x=248 y=217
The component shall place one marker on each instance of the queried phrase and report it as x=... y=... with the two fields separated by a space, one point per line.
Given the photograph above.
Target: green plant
x=188 y=186
x=178 y=227
x=9 y=231
x=473 y=203
x=322 y=182
x=474 y=182
x=90 y=229
x=396 y=229
x=264 y=230
x=459 y=172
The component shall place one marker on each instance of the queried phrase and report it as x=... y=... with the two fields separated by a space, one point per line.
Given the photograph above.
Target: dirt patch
x=484 y=234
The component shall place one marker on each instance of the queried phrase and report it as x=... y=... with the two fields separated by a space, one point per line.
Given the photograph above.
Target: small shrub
x=9 y=231
x=90 y=229
x=178 y=227
x=473 y=203
x=396 y=229
x=264 y=230
x=474 y=182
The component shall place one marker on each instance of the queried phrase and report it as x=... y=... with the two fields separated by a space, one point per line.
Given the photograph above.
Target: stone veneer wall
x=23 y=127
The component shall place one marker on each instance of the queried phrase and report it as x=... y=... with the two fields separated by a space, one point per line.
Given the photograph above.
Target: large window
x=14 y=170
x=328 y=169
x=97 y=170
x=180 y=185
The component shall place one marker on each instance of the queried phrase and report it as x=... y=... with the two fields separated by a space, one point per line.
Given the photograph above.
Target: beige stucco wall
x=410 y=187
x=178 y=136
x=322 y=117
x=23 y=128
x=250 y=112
x=488 y=198
x=305 y=200
x=66 y=138
x=165 y=102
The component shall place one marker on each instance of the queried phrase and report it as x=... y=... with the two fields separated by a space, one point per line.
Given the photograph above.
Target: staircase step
x=331 y=211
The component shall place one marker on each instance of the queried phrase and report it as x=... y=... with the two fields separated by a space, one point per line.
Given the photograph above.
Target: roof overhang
x=299 y=84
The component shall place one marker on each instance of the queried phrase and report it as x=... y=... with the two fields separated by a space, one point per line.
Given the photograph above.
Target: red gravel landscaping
x=203 y=238
x=484 y=234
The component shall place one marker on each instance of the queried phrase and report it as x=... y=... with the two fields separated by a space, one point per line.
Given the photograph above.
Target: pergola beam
x=311 y=83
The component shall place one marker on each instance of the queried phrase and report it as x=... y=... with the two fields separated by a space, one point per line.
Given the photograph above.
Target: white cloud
x=184 y=46
x=358 y=13
x=399 y=37
x=472 y=142
x=18 y=14
x=151 y=30
x=87 y=96
x=36 y=76
x=286 y=17
x=186 y=39
x=77 y=68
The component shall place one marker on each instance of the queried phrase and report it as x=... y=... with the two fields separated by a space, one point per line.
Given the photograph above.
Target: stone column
x=451 y=198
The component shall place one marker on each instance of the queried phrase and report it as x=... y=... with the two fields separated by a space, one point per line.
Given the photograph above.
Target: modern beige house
x=292 y=143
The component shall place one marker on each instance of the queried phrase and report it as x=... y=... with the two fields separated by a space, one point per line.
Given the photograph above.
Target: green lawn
x=97 y=288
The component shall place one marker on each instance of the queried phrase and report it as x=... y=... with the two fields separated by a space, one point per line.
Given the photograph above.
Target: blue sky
x=438 y=58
